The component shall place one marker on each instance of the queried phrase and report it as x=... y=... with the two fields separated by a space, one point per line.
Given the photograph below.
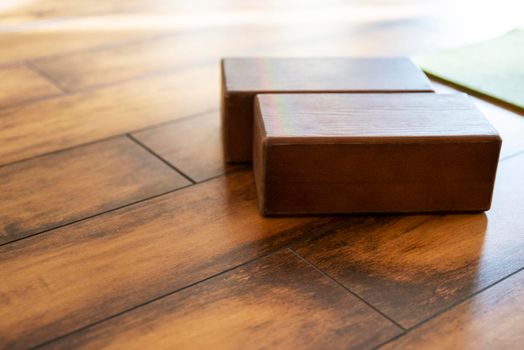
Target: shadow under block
x=356 y=153
x=243 y=78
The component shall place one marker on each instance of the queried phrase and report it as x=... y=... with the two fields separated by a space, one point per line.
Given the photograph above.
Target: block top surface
x=323 y=74
x=349 y=118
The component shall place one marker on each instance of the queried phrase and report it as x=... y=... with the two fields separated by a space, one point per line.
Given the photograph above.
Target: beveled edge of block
x=425 y=81
x=272 y=140
x=260 y=144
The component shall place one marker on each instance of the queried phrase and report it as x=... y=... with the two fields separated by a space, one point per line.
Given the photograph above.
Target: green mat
x=494 y=68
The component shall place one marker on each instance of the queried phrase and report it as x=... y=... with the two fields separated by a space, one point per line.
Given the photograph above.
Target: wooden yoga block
x=371 y=153
x=243 y=78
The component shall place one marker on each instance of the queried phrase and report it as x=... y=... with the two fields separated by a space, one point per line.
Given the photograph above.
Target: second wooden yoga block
x=357 y=153
x=243 y=78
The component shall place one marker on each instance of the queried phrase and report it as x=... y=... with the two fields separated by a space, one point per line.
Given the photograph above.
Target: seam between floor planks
x=324 y=273
x=47 y=77
x=448 y=308
x=154 y=154
x=115 y=44
x=193 y=115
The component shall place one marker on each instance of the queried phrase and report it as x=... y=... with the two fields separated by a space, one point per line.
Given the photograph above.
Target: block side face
x=445 y=177
x=224 y=128
x=237 y=127
x=347 y=118
x=324 y=74
x=259 y=159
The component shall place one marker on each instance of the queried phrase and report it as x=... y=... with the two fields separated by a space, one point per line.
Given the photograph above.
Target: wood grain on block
x=243 y=78
x=87 y=271
x=277 y=302
x=412 y=269
x=493 y=319
x=347 y=153
x=21 y=84
x=53 y=190
x=193 y=145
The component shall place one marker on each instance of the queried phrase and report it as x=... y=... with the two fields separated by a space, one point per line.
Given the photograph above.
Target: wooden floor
x=121 y=227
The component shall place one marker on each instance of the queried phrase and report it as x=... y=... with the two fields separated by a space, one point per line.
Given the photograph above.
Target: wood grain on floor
x=24 y=45
x=59 y=188
x=276 y=302
x=412 y=272
x=92 y=115
x=493 y=319
x=85 y=272
x=21 y=84
x=100 y=246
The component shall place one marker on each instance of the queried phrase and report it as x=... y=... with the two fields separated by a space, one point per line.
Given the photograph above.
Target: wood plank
x=21 y=84
x=24 y=45
x=56 y=189
x=493 y=319
x=193 y=145
x=410 y=272
x=277 y=302
x=52 y=124
x=87 y=271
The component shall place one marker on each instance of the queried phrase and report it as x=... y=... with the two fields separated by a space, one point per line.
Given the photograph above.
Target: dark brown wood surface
x=243 y=78
x=276 y=302
x=193 y=144
x=355 y=153
x=493 y=319
x=83 y=74
x=37 y=194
